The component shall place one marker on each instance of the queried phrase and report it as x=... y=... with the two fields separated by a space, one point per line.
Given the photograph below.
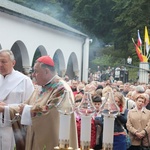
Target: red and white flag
x=139 y=41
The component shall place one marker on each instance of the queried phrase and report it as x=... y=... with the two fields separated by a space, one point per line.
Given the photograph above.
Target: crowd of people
x=133 y=120
x=29 y=119
x=110 y=73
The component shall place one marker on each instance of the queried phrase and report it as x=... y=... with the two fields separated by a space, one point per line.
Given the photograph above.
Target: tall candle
x=108 y=132
x=86 y=128
x=64 y=128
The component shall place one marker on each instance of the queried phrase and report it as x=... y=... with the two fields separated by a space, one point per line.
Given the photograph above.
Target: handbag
x=128 y=140
x=145 y=147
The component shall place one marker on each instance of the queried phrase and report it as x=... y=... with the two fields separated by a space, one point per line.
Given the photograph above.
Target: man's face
x=6 y=64
x=126 y=87
x=74 y=84
x=39 y=74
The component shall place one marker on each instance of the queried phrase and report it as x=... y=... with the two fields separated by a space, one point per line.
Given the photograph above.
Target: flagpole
x=133 y=41
x=148 y=56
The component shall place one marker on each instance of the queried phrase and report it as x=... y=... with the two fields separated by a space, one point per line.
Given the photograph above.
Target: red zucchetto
x=46 y=60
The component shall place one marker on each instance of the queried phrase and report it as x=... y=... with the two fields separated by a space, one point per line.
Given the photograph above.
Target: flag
x=145 y=59
x=139 y=41
x=141 y=57
x=139 y=53
x=146 y=40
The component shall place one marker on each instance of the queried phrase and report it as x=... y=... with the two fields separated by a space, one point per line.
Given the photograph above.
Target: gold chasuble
x=44 y=130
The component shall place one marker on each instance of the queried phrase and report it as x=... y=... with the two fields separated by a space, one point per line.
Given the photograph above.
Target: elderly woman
x=138 y=121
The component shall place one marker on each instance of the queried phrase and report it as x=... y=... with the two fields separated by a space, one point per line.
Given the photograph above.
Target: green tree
x=131 y=16
x=96 y=17
x=111 y=21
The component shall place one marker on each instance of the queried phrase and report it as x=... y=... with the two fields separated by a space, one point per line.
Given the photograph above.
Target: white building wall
x=33 y=35
x=86 y=60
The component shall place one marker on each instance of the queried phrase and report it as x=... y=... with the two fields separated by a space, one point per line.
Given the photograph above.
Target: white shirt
x=129 y=103
x=129 y=60
x=117 y=72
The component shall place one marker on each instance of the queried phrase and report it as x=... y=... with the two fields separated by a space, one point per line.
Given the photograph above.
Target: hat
x=46 y=60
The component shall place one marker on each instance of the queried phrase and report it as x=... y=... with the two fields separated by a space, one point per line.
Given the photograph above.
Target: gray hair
x=51 y=68
x=140 y=89
x=9 y=52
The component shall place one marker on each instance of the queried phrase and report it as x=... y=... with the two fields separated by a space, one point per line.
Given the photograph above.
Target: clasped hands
x=21 y=107
x=140 y=134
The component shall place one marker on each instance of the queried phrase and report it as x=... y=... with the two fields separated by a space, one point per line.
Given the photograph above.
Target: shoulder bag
x=145 y=147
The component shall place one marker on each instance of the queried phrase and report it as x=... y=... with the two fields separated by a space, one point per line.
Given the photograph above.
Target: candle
x=108 y=132
x=85 y=128
x=64 y=129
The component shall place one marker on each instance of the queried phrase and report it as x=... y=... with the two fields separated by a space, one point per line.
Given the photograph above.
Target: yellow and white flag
x=146 y=41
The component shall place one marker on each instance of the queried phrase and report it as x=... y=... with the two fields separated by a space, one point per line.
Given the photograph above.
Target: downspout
x=82 y=58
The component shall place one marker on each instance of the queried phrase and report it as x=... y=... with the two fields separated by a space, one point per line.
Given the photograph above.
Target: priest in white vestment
x=15 y=88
